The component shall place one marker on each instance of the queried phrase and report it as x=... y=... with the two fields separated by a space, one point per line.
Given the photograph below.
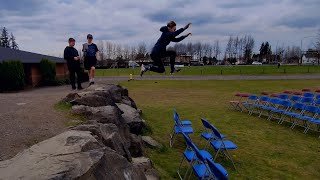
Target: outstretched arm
x=180 y=38
x=179 y=31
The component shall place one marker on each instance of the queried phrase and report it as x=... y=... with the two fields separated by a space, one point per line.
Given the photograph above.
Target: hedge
x=48 y=73
x=12 y=76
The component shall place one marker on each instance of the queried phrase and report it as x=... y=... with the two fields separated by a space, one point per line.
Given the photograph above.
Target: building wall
x=61 y=73
x=61 y=70
x=35 y=74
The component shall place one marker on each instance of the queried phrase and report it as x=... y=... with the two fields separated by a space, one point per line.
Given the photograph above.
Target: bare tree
x=126 y=52
x=318 y=42
x=102 y=50
x=216 y=49
x=229 y=47
x=109 y=47
x=142 y=48
x=133 y=52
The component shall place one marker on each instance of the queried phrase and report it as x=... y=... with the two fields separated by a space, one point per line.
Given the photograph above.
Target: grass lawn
x=266 y=150
x=218 y=70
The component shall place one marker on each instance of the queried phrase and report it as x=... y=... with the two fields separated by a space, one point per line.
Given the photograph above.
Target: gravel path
x=221 y=77
x=29 y=117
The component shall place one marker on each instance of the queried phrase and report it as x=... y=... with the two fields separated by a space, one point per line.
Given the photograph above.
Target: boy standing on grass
x=159 y=50
x=90 y=51
x=73 y=61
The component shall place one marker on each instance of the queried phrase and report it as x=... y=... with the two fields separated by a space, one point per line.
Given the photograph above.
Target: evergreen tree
x=13 y=43
x=5 y=38
x=262 y=48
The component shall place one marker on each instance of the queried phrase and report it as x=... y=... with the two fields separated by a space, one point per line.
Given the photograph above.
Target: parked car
x=256 y=63
x=133 y=64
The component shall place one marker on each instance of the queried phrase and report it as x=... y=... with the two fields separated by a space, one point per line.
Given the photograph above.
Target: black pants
x=73 y=71
x=158 y=64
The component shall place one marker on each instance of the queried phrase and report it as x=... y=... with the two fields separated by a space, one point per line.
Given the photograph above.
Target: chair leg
x=178 y=171
x=172 y=139
x=230 y=157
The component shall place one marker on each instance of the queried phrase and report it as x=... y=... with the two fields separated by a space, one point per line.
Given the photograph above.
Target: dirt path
x=29 y=117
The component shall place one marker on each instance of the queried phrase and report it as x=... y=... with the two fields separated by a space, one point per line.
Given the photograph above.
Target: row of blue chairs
x=202 y=162
x=298 y=111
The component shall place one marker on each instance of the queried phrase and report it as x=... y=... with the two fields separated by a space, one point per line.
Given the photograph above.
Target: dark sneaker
x=74 y=88
x=80 y=88
x=91 y=83
x=178 y=70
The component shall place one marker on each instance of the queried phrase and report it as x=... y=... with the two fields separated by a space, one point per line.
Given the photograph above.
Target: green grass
x=266 y=150
x=218 y=70
x=74 y=119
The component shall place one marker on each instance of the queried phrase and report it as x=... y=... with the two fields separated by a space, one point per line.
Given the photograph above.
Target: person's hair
x=89 y=36
x=171 y=24
x=71 y=40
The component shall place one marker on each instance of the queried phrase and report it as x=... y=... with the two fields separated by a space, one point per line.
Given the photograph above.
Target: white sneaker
x=143 y=69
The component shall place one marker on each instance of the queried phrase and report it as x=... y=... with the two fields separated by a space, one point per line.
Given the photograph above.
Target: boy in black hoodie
x=159 y=50
x=73 y=61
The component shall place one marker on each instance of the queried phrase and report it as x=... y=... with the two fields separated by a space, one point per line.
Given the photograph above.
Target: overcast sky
x=43 y=26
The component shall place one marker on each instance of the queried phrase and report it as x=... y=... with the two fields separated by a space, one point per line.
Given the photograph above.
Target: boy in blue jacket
x=159 y=50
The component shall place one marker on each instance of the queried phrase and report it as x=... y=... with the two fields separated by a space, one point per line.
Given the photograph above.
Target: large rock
x=70 y=155
x=132 y=117
x=150 y=142
x=136 y=146
x=103 y=114
x=108 y=134
x=146 y=165
x=93 y=100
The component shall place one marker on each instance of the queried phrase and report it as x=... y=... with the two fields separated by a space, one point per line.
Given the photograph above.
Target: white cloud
x=44 y=26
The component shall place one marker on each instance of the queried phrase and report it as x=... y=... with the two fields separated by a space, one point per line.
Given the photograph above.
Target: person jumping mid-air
x=159 y=50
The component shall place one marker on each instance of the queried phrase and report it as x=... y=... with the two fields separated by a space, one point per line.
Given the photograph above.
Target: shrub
x=48 y=73
x=12 y=76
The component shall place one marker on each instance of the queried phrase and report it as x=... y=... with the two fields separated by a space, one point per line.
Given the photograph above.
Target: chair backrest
x=264 y=99
x=215 y=170
x=307 y=100
x=312 y=109
x=205 y=123
x=295 y=98
x=216 y=132
x=176 y=118
x=283 y=96
x=253 y=97
x=308 y=94
x=208 y=125
x=299 y=106
x=318 y=96
x=275 y=101
x=285 y=103
x=193 y=147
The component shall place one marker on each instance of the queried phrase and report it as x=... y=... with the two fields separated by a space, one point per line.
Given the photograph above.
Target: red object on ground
x=297 y=93
x=264 y=93
x=317 y=91
x=244 y=95
x=288 y=92
x=306 y=90
x=274 y=95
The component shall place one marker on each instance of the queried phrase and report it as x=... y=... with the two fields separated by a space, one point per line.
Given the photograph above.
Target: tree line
x=8 y=40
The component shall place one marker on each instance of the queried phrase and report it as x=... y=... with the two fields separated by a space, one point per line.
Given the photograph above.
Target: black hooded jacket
x=165 y=39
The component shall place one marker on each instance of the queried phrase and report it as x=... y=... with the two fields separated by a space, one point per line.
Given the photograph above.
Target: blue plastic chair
x=183 y=122
x=273 y=104
x=296 y=110
x=208 y=133
x=190 y=156
x=283 y=96
x=310 y=113
x=318 y=96
x=308 y=95
x=317 y=102
x=295 y=98
x=217 y=170
x=249 y=104
x=307 y=100
x=284 y=106
x=223 y=145
x=179 y=128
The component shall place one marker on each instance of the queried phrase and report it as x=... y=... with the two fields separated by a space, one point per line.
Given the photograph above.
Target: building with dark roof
x=31 y=63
